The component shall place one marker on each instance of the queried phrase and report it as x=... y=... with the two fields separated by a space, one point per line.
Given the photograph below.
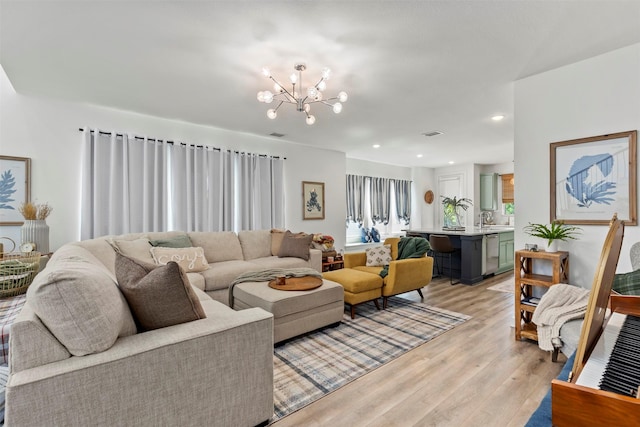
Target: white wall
x=423 y=218
x=597 y=96
x=47 y=131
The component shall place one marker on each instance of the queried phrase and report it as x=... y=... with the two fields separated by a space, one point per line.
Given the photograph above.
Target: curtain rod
x=183 y=144
x=367 y=176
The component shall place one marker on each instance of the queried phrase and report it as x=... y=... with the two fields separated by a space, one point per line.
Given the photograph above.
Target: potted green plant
x=553 y=232
x=452 y=206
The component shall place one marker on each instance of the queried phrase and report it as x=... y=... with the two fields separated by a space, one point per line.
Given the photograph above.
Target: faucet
x=483 y=218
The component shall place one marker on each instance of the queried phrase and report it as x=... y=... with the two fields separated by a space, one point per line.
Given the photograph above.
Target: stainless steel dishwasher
x=491 y=253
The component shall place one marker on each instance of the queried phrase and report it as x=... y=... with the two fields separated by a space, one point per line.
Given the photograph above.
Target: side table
x=332 y=265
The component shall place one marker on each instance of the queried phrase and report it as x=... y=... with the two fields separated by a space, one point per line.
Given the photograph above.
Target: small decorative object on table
x=555 y=231
x=17 y=270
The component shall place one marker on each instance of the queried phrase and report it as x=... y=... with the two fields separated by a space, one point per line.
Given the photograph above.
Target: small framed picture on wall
x=312 y=200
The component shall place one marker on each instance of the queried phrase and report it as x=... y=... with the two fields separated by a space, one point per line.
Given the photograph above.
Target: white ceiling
x=409 y=67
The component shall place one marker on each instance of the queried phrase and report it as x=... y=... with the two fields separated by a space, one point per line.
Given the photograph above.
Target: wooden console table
x=526 y=280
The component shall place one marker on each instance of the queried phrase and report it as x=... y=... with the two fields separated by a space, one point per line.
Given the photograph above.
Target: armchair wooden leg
x=384 y=303
x=353 y=311
x=375 y=301
x=420 y=293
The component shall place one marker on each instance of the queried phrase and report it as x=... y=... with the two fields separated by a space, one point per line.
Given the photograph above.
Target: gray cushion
x=181 y=241
x=296 y=245
x=159 y=296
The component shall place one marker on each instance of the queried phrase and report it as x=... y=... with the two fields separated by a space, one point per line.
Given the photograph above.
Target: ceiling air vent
x=432 y=133
x=276 y=134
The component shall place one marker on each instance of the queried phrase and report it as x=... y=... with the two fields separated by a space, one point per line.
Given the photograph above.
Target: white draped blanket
x=560 y=304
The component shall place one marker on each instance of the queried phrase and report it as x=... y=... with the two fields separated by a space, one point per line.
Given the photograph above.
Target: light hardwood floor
x=473 y=375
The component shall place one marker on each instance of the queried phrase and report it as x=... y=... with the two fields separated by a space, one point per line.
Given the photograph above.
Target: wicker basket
x=17 y=270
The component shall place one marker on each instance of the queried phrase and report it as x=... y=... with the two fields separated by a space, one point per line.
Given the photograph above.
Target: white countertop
x=469 y=231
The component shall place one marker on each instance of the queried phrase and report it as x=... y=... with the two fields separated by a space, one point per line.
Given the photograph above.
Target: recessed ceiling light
x=419 y=155
x=497 y=117
x=376 y=145
x=451 y=162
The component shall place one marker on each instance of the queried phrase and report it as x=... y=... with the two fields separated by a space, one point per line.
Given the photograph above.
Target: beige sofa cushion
x=218 y=246
x=137 y=248
x=255 y=243
x=77 y=298
x=159 y=296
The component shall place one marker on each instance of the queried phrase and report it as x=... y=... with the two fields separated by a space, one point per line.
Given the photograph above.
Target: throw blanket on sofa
x=560 y=304
x=409 y=247
x=270 y=274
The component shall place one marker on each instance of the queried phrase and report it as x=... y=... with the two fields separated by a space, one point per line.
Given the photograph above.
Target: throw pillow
x=295 y=245
x=627 y=283
x=138 y=248
x=191 y=260
x=181 y=241
x=276 y=240
x=159 y=296
x=378 y=256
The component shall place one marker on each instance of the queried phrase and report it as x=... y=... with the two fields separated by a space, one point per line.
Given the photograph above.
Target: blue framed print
x=15 y=188
x=594 y=178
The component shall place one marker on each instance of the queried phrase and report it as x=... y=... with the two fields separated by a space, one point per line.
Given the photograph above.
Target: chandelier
x=302 y=100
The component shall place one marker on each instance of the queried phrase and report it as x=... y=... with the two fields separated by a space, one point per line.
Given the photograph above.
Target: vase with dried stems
x=35 y=229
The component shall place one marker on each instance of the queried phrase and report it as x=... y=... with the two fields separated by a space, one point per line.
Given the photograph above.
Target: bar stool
x=441 y=245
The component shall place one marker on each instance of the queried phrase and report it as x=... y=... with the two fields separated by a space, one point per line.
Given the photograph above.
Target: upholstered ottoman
x=358 y=286
x=294 y=312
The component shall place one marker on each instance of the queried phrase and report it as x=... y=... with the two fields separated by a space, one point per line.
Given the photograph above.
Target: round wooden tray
x=304 y=283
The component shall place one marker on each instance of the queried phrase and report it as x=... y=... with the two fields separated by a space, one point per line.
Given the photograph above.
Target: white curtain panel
x=138 y=185
x=123 y=184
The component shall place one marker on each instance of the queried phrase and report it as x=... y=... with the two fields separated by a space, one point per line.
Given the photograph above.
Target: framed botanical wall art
x=15 y=188
x=313 y=200
x=593 y=178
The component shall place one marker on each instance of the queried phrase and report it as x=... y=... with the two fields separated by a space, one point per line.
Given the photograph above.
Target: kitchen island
x=476 y=258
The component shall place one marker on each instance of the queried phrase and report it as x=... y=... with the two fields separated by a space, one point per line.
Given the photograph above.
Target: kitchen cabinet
x=505 y=252
x=488 y=191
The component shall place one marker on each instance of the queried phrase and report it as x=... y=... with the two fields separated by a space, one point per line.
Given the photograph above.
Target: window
x=508 y=207
x=394 y=225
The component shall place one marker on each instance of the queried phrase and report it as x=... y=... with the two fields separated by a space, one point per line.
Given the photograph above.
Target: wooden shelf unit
x=333 y=265
x=526 y=280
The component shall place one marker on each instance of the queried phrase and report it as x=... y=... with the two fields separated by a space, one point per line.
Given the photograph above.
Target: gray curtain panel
x=403 y=200
x=380 y=194
x=355 y=198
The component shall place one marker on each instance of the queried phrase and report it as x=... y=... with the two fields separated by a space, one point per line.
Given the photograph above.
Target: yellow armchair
x=411 y=274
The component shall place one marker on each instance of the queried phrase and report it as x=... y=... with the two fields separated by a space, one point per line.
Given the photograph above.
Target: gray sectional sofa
x=77 y=356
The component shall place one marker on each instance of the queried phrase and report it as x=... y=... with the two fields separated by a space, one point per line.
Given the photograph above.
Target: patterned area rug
x=504 y=286
x=313 y=365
